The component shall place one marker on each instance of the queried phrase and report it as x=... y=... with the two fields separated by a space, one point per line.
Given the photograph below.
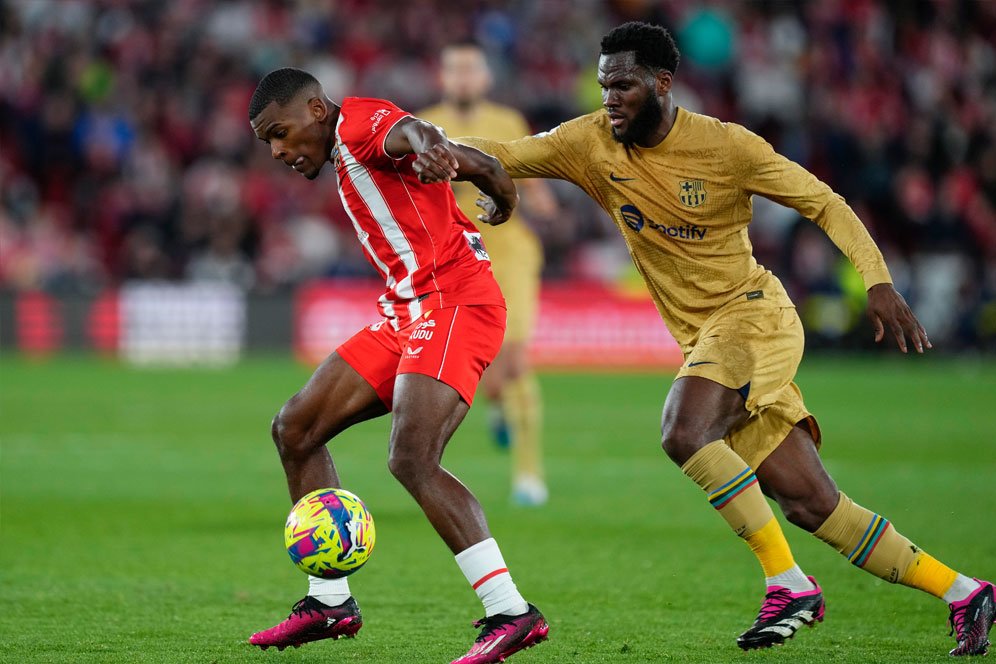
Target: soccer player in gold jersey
x=678 y=186
x=516 y=259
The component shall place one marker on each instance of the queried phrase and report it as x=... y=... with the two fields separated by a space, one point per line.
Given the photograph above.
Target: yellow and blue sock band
x=740 y=483
x=869 y=540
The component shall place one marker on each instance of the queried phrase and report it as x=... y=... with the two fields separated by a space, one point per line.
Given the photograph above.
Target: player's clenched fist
x=437 y=164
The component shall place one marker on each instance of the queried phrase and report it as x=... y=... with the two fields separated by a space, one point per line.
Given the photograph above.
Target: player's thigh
x=441 y=366
x=746 y=354
x=426 y=413
x=334 y=398
x=698 y=411
x=454 y=345
x=794 y=476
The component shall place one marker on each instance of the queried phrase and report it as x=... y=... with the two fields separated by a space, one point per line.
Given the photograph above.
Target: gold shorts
x=755 y=348
x=517 y=272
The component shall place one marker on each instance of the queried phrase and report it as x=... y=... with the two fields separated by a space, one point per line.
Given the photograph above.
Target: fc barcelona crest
x=692 y=192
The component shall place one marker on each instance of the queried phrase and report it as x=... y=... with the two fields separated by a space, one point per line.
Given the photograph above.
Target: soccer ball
x=329 y=533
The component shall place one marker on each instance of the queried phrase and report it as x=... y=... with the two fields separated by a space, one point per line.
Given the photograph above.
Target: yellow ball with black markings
x=329 y=533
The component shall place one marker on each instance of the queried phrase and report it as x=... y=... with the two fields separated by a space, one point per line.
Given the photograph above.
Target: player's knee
x=289 y=438
x=681 y=442
x=409 y=469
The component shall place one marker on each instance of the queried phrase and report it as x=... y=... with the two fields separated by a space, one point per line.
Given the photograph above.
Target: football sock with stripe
x=870 y=542
x=732 y=489
x=523 y=407
x=485 y=570
x=331 y=592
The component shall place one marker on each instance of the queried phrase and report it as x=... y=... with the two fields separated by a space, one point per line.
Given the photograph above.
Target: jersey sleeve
x=370 y=121
x=550 y=154
x=764 y=172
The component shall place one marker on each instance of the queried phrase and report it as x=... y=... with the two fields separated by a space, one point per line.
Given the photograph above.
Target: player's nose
x=277 y=151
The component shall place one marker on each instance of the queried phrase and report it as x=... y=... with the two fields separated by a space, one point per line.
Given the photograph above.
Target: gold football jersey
x=683 y=207
x=500 y=123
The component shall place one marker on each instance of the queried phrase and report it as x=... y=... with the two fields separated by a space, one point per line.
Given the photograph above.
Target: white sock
x=331 y=592
x=960 y=589
x=793 y=578
x=485 y=570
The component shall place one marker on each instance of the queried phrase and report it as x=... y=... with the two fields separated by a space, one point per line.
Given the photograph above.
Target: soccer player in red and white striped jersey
x=443 y=321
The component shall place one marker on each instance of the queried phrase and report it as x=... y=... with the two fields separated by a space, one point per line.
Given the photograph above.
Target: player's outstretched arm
x=485 y=172
x=439 y=160
x=888 y=309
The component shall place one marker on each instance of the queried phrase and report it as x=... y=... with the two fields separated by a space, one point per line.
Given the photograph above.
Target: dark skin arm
x=439 y=160
x=888 y=309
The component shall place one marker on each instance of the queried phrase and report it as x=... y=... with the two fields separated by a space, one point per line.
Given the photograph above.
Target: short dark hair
x=653 y=45
x=280 y=85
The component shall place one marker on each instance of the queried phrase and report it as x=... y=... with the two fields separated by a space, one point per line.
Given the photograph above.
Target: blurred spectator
x=126 y=151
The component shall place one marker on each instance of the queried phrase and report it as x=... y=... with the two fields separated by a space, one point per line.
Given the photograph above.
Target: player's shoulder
x=583 y=130
x=707 y=127
x=701 y=127
x=704 y=134
x=362 y=104
x=365 y=115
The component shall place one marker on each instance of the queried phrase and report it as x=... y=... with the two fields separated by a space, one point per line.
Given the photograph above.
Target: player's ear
x=664 y=80
x=319 y=109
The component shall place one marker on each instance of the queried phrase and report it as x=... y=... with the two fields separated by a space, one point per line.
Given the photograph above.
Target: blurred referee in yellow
x=516 y=258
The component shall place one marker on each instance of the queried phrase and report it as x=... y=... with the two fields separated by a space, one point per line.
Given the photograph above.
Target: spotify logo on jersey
x=635 y=220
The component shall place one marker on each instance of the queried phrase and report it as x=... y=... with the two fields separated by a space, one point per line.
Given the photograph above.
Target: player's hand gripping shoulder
x=888 y=309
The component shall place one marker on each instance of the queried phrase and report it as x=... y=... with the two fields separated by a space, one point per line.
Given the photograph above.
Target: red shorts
x=454 y=345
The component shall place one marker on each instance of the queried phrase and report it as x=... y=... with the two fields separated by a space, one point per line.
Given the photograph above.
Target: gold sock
x=928 y=574
x=771 y=549
x=524 y=409
x=733 y=490
x=870 y=542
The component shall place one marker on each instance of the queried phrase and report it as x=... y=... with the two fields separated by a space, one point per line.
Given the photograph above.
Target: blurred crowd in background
x=125 y=149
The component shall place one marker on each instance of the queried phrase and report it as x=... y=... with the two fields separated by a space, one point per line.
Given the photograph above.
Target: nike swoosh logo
x=695 y=364
x=612 y=176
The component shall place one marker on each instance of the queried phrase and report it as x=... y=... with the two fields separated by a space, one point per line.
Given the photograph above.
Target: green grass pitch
x=142 y=516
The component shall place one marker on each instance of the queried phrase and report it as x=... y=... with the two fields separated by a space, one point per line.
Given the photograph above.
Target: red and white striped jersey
x=428 y=252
